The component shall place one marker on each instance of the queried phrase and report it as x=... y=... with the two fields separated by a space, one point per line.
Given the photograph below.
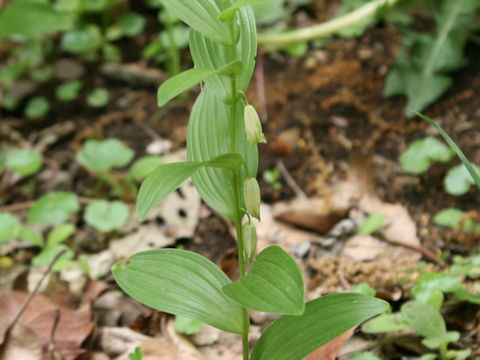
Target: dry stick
x=425 y=252
x=290 y=181
x=260 y=84
x=35 y=290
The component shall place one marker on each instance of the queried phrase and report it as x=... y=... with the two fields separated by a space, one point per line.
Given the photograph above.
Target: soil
x=325 y=112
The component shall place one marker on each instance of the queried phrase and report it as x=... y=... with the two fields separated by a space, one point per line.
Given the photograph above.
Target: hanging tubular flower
x=249 y=242
x=253 y=126
x=251 y=193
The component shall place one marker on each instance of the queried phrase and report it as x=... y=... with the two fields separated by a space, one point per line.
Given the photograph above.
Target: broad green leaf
x=384 y=323
x=228 y=161
x=30 y=18
x=187 y=326
x=453 y=218
x=106 y=216
x=436 y=342
x=455 y=148
x=59 y=235
x=165 y=179
x=182 y=283
x=372 y=224
x=104 y=155
x=187 y=79
x=54 y=208
x=144 y=166
x=25 y=162
x=274 y=284
x=419 y=155
x=424 y=319
x=430 y=288
x=201 y=16
x=459 y=180
x=228 y=13
x=9 y=226
x=209 y=137
x=293 y=337
x=208 y=54
x=132 y=24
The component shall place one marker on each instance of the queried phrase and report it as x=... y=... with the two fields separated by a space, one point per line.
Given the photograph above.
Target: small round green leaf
x=80 y=41
x=107 y=216
x=182 y=283
x=68 y=91
x=47 y=256
x=187 y=326
x=25 y=162
x=452 y=218
x=104 y=155
x=424 y=319
x=458 y=180
x=9 y=226
x=54 y=208
x=274 y=284
x=60 y=234
x=132 y=24
x=37 y=107
x=98 y=98
x=419 y=155
x=144 y=166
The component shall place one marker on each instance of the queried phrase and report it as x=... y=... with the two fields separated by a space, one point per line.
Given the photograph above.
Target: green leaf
x=452 y=218
x=54 y=208
x=182 y=283
x=37 y=107
x=31 y=236
x=469 y=266
x=372 y=224
x=209 y=137
x=274 y=284
x=430 y=288
x=208 y=54
x=419 y=155
x=228 y=14
x=459 y=180
x=187 y=79
x=98 y=98
x=165 y=179
x=455 y=148
x=436 y=342
x=201 y=16
x=144 y=166
x=106 y=216
x=48 y=254
x=30 y=18
x=424 y=319
x=59 y=235
x=25 y=162
x=293 y=337
x=82 y=41
x=9 y=226
x=384 y=323
x=366 y=355
x=132 y=24
x=187 y=326
x=69 y=90
x=136 y=355
x=228 y=161
x=100 y=156
x=365 y=289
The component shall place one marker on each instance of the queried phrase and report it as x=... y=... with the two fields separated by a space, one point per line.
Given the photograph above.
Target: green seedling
x=222 y=139
x=272 y=177
x=106 y=216
x=24 y=162
x=366 y=355
x=456 y=219
x=187 y=326
x=136 y=355
x=37 y=107
x=372 y=224
x=9 y=226
x=68 y=91
x=132 y=24
x=469 y=266
x=458 y=180
x=420 y=154
x=98 y=98
x=144 y=166
x=54 y=208
x=54 y=245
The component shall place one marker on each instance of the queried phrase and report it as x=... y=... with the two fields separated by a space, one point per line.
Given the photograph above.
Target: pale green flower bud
x=253 y=126
x=251 y=193
x=249 y=242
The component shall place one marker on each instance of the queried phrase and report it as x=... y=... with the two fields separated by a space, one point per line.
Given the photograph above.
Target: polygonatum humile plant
x=223 y=133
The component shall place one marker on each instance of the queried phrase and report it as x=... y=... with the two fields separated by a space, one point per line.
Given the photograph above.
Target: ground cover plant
x=359 y=200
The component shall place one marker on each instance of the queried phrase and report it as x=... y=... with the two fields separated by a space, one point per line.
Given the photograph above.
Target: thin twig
x=290 y=181
x=425 y=252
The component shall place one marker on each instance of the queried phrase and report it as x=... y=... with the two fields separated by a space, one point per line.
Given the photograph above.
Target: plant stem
x=326 y=28
x=175 y=66
x=236 y=193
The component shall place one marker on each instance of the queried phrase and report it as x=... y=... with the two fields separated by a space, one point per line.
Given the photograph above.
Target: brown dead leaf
x=330 y=351
x=21 y=343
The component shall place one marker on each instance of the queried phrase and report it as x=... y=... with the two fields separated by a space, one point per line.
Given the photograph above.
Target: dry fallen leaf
x=21 y=343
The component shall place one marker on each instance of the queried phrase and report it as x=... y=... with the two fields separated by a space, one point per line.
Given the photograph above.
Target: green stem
x=325 y=29
x=173 y=49
x=236 y=194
